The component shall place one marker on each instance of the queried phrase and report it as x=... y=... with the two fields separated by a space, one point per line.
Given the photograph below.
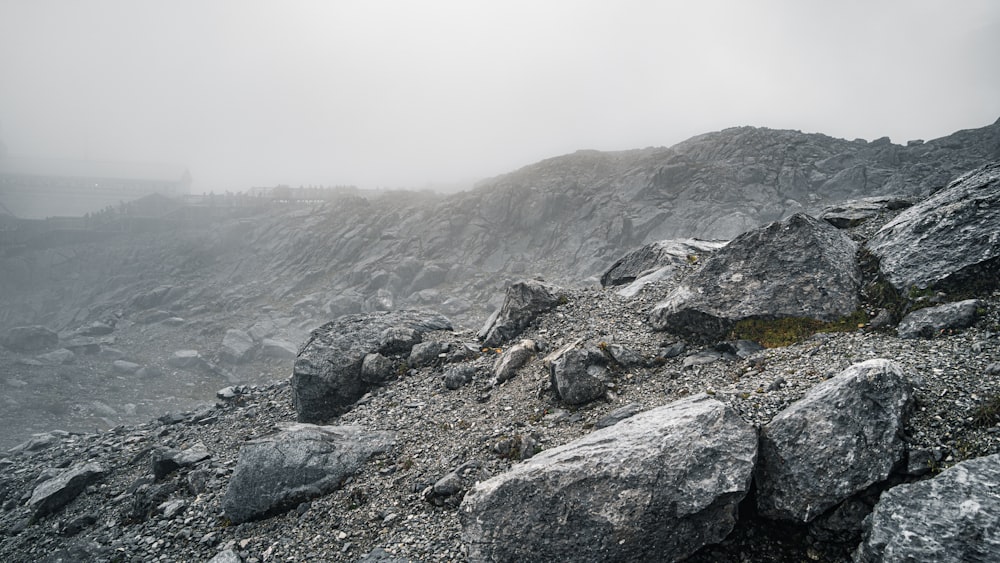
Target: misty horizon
x=395 y=95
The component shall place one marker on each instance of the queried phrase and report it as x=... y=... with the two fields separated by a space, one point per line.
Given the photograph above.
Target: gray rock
x=624 y=356
x=950 y=518
x=931 y=321
x=376 y=369
x=512 y=359
x=842 y=437
x=426 y=353
x=326 y=376
x=853 y=212
x=278 y=349
x=237 y=346
x=164 y=461
x=701 y=358
x=57 y=357
x=659 y=255
x=96 y=328
x=575 y=378
x=59 y=491
x=618 y=415
x=30 y=338
x=740 y=348
x=950 y=238
x=301 y=462
x=226 y=556
x=799 y=267
x=126 y=367
x=186 y=359
x=524 y=301
x=457 y=376
x=656 y=486
x=398 y=340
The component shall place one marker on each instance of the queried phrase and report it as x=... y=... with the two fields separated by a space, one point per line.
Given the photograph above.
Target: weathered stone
x=524 y=301
x=512 y=359
x=59 y=491
x=950 y=518
x=842 y=437
x=426 y=353
x=237 y=346
x=853 y=212
x=164 y=461
x=799 y=267
x=226 y=556
x=398 y=340
x=278 y=349
x=96 y=328
x=326 y=376
x=30 y=338
x=124 y=366
x=931 y=321
x=656 y=486
x=457 y=376
x=949 y=239
x=623 y=356
x=618 y=415
x=665 y=255
x=57 y=357
x=576 y=379
x=186 y=359
x=376 y=369
x=301 y=462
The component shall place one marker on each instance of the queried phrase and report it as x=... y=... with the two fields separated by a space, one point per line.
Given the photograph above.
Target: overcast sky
x=406 y=93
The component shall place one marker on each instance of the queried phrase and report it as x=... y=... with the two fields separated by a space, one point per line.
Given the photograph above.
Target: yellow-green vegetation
x=774 y=333
x=988 y=412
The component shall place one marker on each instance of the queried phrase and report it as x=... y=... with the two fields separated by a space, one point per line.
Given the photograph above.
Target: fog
x=389 y=94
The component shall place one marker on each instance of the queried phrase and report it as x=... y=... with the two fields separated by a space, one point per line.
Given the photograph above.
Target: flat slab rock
x=842 y=437
x=946 y=237
x=799 y=267
x=57 y=492
x=302 y=461
x=655 y=486
x=931 y=321
x=954 y=517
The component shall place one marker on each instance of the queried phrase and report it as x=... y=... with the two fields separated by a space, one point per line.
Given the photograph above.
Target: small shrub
x=987 y=413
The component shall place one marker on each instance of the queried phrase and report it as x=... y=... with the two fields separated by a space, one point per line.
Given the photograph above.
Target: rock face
x=950 y=518
x=523 y=302
x=856 y=211
x=656 y=486
x=932 y=320
x=663 y=254
x=301 y=462
x=327 y=373
x=843 y=436
x=58 y=491
x=952 y=237
x=799 y=267
x=30 y=338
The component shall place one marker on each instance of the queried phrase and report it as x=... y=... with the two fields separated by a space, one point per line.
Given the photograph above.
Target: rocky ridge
x=404 y=503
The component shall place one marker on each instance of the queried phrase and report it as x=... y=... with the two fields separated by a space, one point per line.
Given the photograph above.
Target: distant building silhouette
x=36 y=188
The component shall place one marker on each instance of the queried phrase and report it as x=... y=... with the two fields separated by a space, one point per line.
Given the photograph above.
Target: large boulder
x=656 y=486
x=327 y=375
x=524 y=301
x=951 y=238
x=953 y=517
x=30 y=338
x=578 y=375
x=237 y=346
x=839 y=439
x=659 y=255
x=932 y=320
x=57 y=492
x=506 y=366
x=302 y=461
x=799 y=267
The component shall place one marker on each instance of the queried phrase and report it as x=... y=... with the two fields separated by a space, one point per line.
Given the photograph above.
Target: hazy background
x=406 y=93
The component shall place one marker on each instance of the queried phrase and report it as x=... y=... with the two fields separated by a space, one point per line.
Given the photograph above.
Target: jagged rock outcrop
x=799 y=267
x=842 y=437
x=852 y=213
x=30 y=338
x=300 y=462
x=327 y=376
x=655 y=486
x=657 y=256
x=951 y=518
x=950 y=239
x=524 y=301
x=931 y=321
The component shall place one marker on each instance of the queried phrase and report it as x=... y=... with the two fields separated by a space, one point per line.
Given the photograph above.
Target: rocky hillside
x=187 y=280
x=586 y=424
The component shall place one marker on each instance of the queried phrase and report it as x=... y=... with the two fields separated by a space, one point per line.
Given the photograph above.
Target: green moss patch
x=774 y=333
